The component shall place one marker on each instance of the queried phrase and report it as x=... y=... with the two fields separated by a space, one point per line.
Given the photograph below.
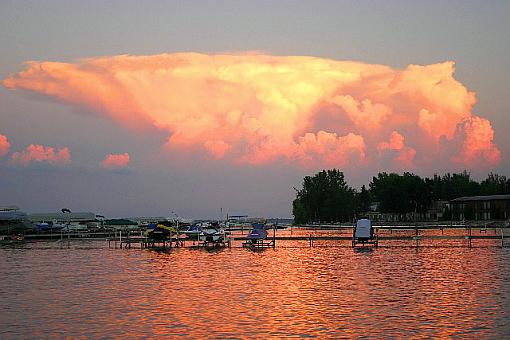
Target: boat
x=364 y=233
x=194 y=231
x=256 y=239
x=258 y=232
x=49 y=226
x=75 y=228
x=161 y=232
x=213 y=234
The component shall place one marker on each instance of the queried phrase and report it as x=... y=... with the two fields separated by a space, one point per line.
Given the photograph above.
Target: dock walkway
x=340 y=235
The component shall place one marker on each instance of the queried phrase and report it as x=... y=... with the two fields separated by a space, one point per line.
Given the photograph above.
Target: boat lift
x=257 y=239
x=364 y=234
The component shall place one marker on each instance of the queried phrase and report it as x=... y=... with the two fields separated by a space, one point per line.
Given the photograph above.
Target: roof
x=481 y=198
x=59 y=216
x=9 y=208
x=12 y=216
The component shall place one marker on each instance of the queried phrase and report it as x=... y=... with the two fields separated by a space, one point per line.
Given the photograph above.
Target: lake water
x=328 y=291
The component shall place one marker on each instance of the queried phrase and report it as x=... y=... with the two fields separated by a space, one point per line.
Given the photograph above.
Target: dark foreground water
x=291 y=291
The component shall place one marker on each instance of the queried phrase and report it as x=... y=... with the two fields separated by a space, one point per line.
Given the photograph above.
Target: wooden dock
x=176 y=241
x=415 y=236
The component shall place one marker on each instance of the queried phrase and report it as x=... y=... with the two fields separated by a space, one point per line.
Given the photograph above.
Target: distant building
x=63 y=217
x=13 y=220
x=437 y=210
x=75 y=221
x=492 y=207
x=121 y=224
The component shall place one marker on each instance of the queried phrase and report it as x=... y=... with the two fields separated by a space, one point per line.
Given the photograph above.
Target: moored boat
x=193 y=231
x=258 y=232
x=213 y=233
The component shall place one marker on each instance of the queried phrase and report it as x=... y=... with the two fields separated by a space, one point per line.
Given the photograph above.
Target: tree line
x=326 y=196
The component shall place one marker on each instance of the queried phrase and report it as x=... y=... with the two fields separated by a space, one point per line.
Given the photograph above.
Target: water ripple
x=324 y=292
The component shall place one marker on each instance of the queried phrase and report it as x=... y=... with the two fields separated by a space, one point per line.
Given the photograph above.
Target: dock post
x=502 y=237
x=274 y=236
x=311 y=242
x=417 y=237
x=469 y=237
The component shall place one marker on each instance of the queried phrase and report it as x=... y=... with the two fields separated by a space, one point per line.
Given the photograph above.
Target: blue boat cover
x=258 y=226
x=258 y=232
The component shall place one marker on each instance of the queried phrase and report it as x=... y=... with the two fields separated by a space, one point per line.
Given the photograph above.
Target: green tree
x=363 y=200
x=495 y=184
x=459 y=185
x=401 y=194
x=324 y=197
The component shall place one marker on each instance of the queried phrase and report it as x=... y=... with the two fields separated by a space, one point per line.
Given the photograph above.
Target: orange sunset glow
x=255 y=108
x=254 y=169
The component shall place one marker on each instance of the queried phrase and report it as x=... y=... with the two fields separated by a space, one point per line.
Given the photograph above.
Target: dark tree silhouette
x=326 y=197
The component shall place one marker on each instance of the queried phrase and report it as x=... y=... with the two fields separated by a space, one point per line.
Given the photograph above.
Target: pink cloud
x=330 y=149
x=217 y=148
x=42 y=154
x=4 y=145
x=478 y=142
x=115 y=161
x=256 y=108
x=403 y=154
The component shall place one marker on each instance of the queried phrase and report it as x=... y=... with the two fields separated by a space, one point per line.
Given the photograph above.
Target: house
x=492 y=207
x=437 y=210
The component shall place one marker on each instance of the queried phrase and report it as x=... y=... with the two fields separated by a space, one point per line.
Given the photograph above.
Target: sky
x=202 y=108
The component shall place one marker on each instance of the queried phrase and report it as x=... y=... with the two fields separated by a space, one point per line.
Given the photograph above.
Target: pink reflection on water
x=325 y=292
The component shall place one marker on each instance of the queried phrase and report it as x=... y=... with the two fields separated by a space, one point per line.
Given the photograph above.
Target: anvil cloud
x=255 y=108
